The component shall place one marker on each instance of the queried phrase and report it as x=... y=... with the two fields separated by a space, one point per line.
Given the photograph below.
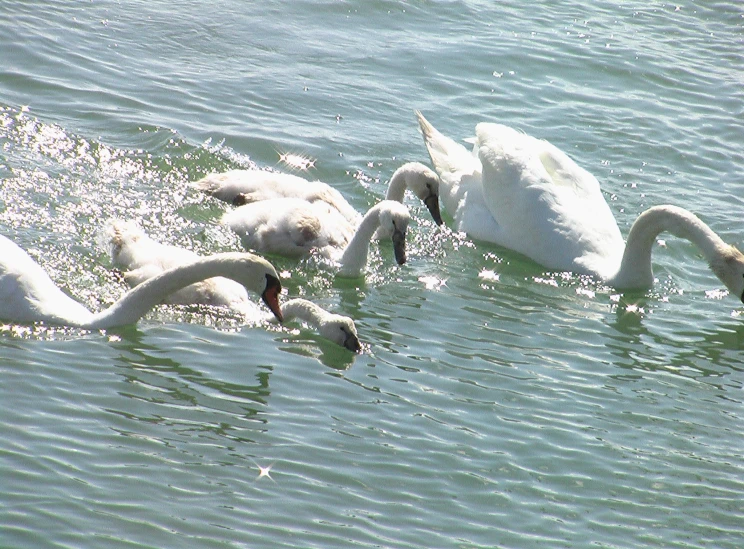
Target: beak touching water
x=432 y=204
x=399 y=246
x=352 y=343
x=270 y=296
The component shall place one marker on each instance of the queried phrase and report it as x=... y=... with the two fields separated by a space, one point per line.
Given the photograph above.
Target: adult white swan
x=294 y=227
x=527 y=195
x=240 y=187
x=27 y=294
x=142 y=258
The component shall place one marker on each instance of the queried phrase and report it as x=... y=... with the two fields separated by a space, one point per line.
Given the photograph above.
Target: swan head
x=260 y=277
x=424 y=183
x=342 y=331
x=394 y=219
x=728 y=265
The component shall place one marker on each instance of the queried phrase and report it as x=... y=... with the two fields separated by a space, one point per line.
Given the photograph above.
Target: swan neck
x=302 y=309
x=635 y=268
x=138 y=301
x=354 y=258
x=397 y=187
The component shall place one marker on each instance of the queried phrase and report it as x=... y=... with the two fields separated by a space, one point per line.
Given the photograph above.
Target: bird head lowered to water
x=394 y=219
x=728 y=266
x=422 y=181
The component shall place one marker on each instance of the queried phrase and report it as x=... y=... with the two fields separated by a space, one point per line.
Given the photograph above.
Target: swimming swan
x=525 y=194
x=338 y=328
x=294 y=227
x=27 y=294
x=141 y=258
x=240 y=187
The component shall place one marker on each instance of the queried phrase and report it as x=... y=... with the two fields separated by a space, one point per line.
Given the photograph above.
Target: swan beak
x=432 y=204
x=270 y=296
x=240 y=200
x=352 y=343
x=399 y=246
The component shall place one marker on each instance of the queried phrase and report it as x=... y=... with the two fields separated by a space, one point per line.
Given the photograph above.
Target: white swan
x=240 y=187
x=141 y=258
x=27 y=294
x=338 y=328
x=526 y=195
x=295 y=227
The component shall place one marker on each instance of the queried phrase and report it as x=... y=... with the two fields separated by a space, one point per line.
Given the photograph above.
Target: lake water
x=524 y=409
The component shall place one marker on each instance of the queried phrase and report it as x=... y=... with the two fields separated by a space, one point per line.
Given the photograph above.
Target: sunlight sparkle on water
x=297 y=161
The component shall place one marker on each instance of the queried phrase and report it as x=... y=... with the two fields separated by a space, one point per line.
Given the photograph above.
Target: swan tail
x=446 y=155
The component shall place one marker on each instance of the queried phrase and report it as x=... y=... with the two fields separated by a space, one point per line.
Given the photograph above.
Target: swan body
x=27 y=294
x=143 y=258
x=527 y=195
x=338 y=328
x=240 y=187
x=294 y=227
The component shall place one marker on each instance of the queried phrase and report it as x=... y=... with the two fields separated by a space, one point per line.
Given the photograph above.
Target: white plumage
x=141 y=258
x=27 y=294
x=240 y=187
x=295 y=227
x=527 y=195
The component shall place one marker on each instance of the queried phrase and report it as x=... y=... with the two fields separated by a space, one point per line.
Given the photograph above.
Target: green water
x=529 y=409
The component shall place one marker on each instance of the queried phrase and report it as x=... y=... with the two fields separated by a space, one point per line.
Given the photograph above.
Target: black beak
x=399 y=246
x=270 y=296
x=432 y=204
x=239 y=200
x=352 y=343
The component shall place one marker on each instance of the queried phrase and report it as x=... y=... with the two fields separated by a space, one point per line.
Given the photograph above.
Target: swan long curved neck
x=354 y=257
x=304 y=310
x=635 y=268
x=397 y=186
x=138 y=301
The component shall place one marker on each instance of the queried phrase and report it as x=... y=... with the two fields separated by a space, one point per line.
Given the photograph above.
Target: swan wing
x=289 y=226
x=548 y=208
x=251 y=185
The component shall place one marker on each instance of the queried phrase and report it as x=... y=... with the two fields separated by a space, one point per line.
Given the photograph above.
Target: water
x=531 y=409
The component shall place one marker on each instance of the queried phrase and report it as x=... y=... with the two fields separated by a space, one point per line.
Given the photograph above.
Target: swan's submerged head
x=424 y=183
x=341 y=330
x=394 y=219
x=729 y=267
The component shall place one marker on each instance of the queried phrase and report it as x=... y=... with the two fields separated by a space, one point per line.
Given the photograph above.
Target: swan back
x=546 y=206
x=240 y=187
x=245 y=186
x=289 y=226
